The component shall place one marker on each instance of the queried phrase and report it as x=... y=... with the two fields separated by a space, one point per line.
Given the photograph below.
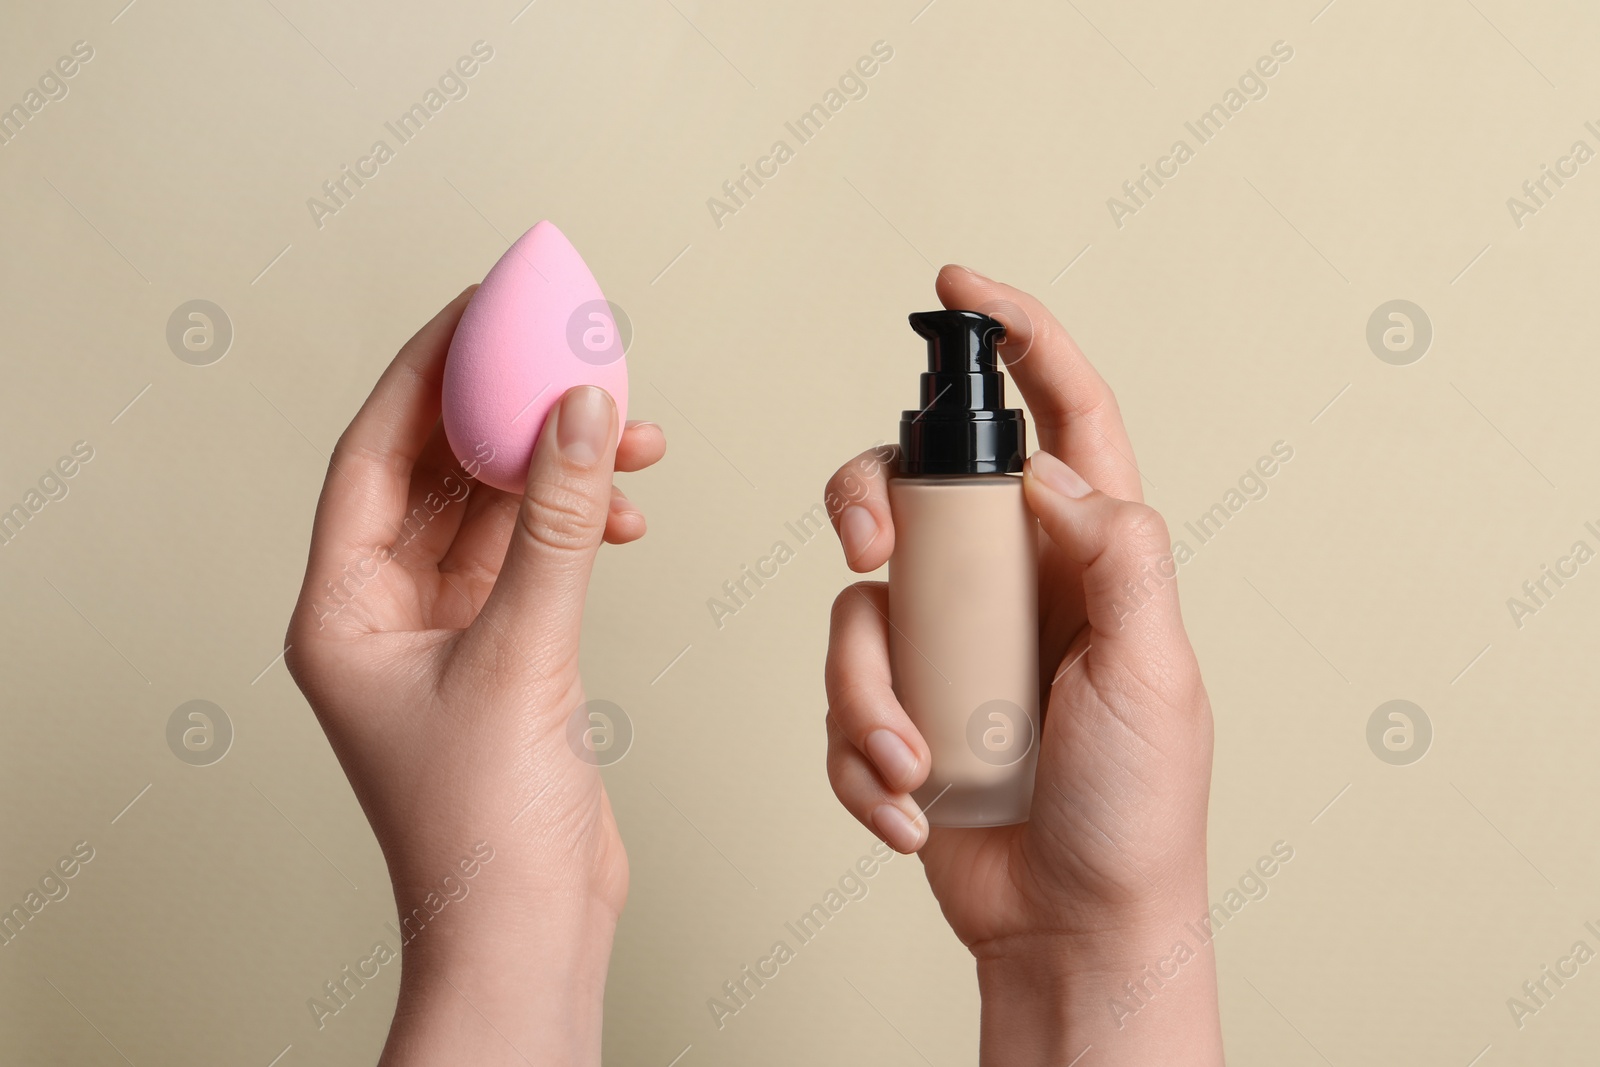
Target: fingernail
x=1058 y=476
x=857 y=530
x=896 y=828
x=892 y=756
x=583 y=426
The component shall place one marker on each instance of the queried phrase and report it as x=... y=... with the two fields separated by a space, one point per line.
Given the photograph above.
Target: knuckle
x=1102 y=409
x=856 y=480
x=557 y=514
x=840 y=755
x=851 y=706
x=1141 y=531
x=858 y=598
x=350 y=453
x=842 y=606
x=833 y=494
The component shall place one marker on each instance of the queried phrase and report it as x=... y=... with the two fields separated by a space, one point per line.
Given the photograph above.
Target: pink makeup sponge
x=538 y=326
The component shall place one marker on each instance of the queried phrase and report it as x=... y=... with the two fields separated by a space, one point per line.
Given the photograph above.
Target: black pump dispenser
x=963 y=426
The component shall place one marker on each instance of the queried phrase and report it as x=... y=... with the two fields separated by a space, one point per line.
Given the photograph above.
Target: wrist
x=1139 y=992
x=525 y=987
x=503 y=959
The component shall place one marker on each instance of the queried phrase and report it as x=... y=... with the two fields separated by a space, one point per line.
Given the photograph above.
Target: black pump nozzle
x=963 y=426
x=958 y=341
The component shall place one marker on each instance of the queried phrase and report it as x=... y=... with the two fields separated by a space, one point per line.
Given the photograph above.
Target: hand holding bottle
x=436 y=638
x=1073 y=910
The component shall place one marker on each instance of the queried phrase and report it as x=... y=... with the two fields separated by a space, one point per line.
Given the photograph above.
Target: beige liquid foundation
x=963 y=581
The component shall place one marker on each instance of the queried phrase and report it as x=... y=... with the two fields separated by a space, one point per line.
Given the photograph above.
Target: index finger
x=1074 y=410
x=369 y=476
x=857 y=499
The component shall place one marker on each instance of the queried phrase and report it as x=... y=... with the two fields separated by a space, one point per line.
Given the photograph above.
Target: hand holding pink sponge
x=537 y=327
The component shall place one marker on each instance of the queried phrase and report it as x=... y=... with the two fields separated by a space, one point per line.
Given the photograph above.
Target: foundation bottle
x=963 y=581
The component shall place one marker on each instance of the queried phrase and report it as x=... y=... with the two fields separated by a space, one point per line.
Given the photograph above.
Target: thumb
x=1129 y=575
x=537 y=602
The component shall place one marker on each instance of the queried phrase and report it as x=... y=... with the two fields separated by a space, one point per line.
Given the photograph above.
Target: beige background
x=1228 y=313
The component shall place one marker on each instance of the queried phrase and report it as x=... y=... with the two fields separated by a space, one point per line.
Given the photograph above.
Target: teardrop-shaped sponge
x=538 y=326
